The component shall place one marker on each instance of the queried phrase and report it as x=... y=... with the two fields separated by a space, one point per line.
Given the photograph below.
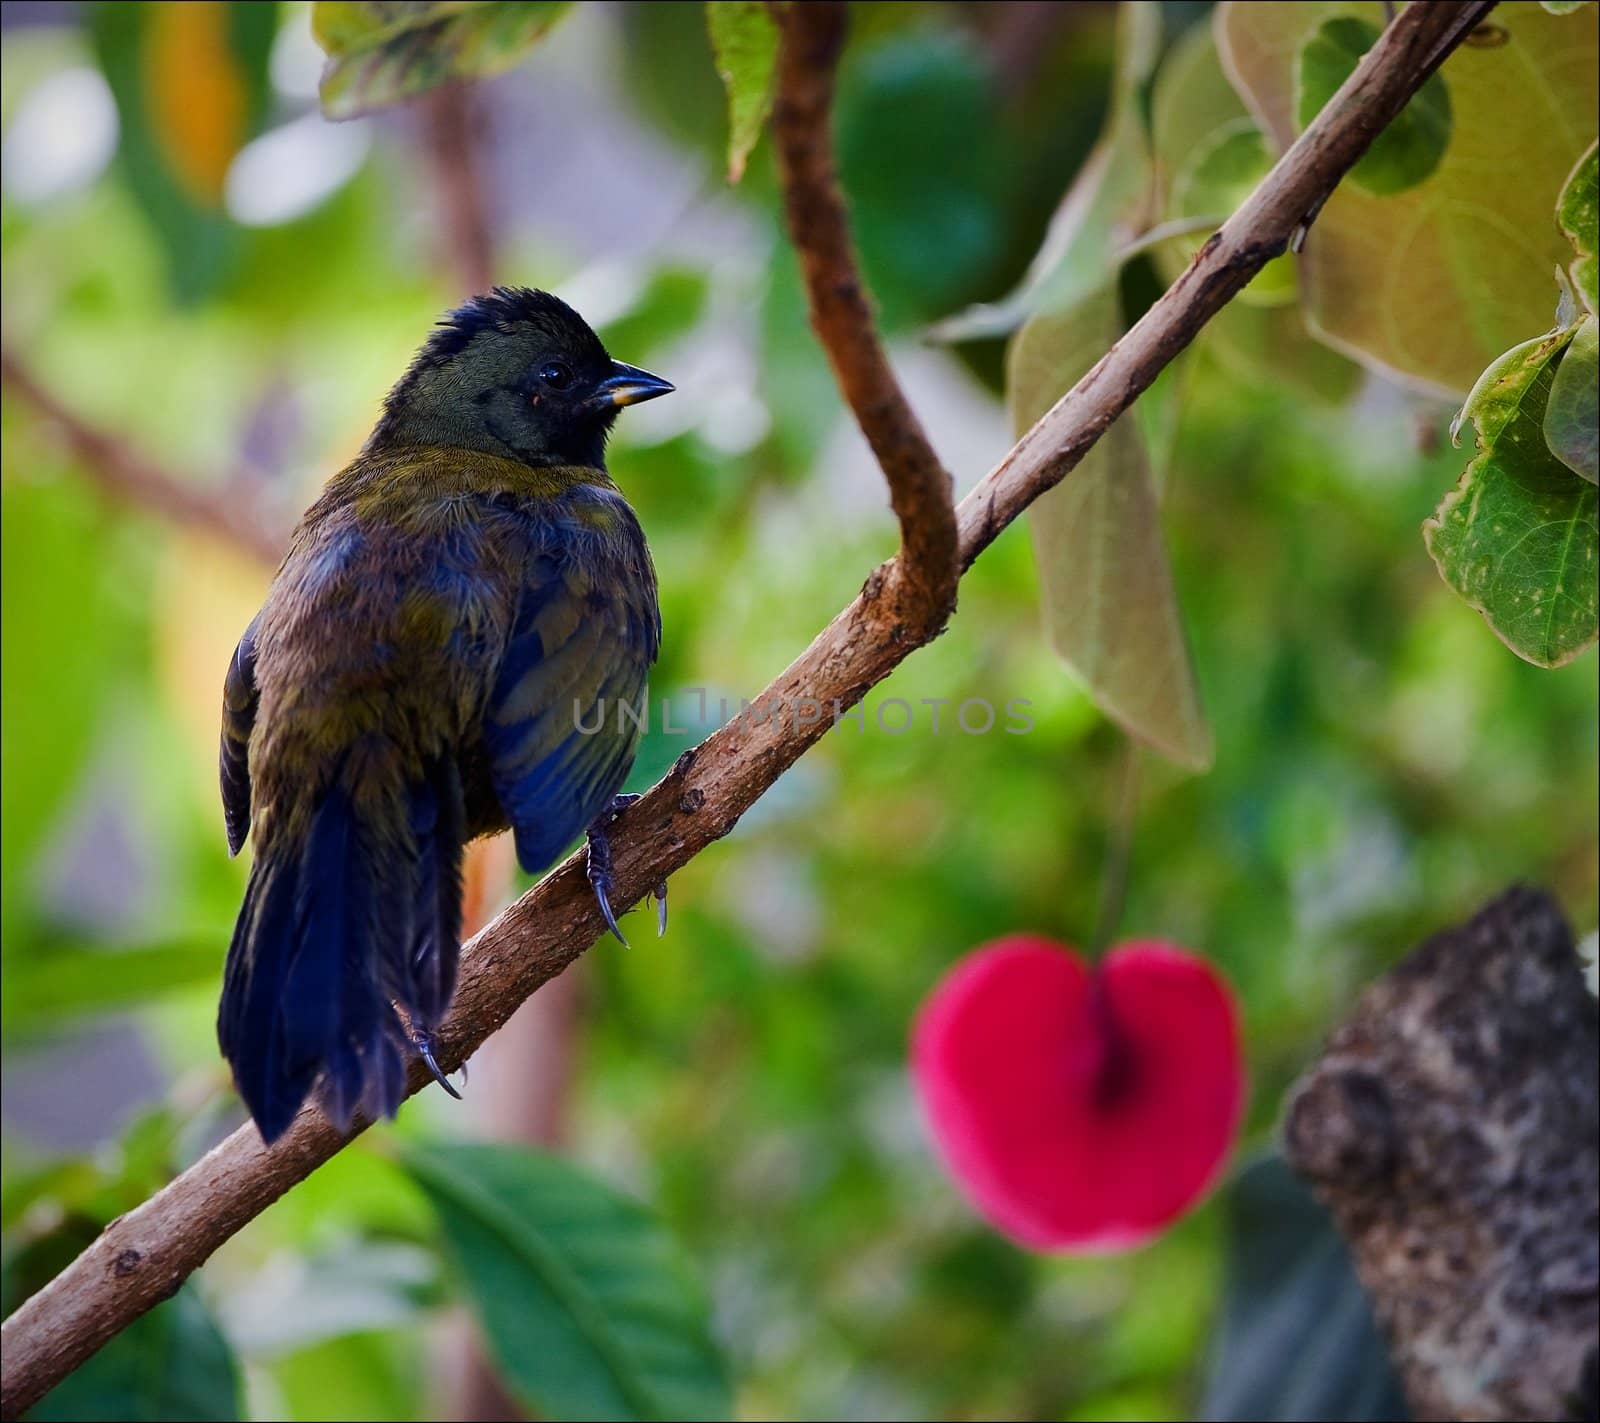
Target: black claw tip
x=426 y=1049
x=661 y=910
x=605 y=911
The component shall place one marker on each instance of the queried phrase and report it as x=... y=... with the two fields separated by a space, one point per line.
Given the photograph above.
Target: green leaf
x=62 y=982
x=744 y=39
x=587 y=1303
x=1411 y=146
x=171 y=1365
x=1110 y=607
x=1296 y=1338
x=1217 y=177
x=191 y=87
x=381 y=52
x=1578 y=213
x=1573 y=413
x=923 y=161
x=1105 y=209
x=1517 y=536
x=1432 y=283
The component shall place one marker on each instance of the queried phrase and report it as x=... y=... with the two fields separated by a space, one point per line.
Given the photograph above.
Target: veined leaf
x=1517 y=536
x=744 y=39
x=1110 y=607
x=1431 y=284
x=381 y=52
x=1103 y=212
x=1578 y=213
x=1573 y=414
x=171 y=1365
x=588 y=1306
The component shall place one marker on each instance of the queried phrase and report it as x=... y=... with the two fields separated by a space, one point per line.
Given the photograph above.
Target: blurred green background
x=1383 y=763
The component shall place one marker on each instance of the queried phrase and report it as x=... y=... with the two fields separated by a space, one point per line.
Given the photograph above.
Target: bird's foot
x=601 y=878
x=423 y=1042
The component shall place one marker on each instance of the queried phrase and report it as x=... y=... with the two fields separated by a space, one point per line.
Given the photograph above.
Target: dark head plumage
x=502 y=309
x=518 y=373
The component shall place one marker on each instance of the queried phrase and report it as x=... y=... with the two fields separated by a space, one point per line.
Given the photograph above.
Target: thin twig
x=138 y=481
x=841 y=313
x=142 y=1257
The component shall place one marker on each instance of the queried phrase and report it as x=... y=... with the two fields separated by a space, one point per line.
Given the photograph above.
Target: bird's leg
x=601 y=879
x=422 y=1040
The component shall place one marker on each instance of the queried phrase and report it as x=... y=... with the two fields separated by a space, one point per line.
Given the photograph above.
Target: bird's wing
x=239 y=699
x=559 y=744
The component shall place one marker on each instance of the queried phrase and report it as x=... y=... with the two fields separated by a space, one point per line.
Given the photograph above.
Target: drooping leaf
x=587 y=1304
x=191 y=88
x=744 y=39
x=171 y=1365
x=1572 y=415
x=381 y=52
x=1411 y=146
x=1517 y=536
x=1259 y=337
x=1110 y=607
x=63 y=982
x=1432 y=283
x=1578 y=212
x=1103 y=212
x=1296 y=1337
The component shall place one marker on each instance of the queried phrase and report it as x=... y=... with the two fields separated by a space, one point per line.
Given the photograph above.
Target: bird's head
x=516 y=373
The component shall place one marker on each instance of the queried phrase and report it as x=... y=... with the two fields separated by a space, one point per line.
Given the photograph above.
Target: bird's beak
x=628 y=385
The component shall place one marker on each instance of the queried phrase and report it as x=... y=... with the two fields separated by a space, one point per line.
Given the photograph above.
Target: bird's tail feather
x=338 y=926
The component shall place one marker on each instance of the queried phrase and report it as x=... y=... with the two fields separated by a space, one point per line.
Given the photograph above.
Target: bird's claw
x=424 y=1046
x=601 y=880
x=661 y=908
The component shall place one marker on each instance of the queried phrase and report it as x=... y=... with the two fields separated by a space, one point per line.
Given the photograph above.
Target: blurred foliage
x=1381 y=763
x=1297 y=1337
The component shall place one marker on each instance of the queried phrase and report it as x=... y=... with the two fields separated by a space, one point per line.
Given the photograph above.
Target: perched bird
x=442 y=655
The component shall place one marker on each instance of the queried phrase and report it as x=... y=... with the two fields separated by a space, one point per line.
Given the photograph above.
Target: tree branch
x=142 y=1258
x=129 y=477
x=841 y=315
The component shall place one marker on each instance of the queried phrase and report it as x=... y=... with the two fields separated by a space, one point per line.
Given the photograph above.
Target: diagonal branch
x=125 y=474
x=841 y=314
x=141 y=1258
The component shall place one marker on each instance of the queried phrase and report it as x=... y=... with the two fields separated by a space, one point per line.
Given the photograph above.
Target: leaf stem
x=1119 y=851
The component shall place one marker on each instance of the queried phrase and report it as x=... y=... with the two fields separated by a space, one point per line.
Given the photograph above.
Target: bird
x=456 y=643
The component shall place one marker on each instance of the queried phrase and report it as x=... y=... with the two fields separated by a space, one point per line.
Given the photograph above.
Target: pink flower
x=1081 y=1110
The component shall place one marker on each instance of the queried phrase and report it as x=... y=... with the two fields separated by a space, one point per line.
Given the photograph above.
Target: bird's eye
x=556 y=374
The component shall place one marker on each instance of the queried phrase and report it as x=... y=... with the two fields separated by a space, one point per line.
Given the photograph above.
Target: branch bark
x=132 y=479
x=143 y=1257
x=925 y=575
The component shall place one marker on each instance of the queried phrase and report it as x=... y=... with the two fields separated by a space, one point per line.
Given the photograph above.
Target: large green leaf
x=744 y=39
x=1414 y=142
x=1578 y=213
x=588 y=1305
x=1517 y=536
x=1572 y=417
x=1296 y=1338
x=171 y=1365
x=381 y=52
x=61 y=982
x=1105 y=209
x=191 y=87
x=1208 y=156
x=1432 y=283
x=1110 y=607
